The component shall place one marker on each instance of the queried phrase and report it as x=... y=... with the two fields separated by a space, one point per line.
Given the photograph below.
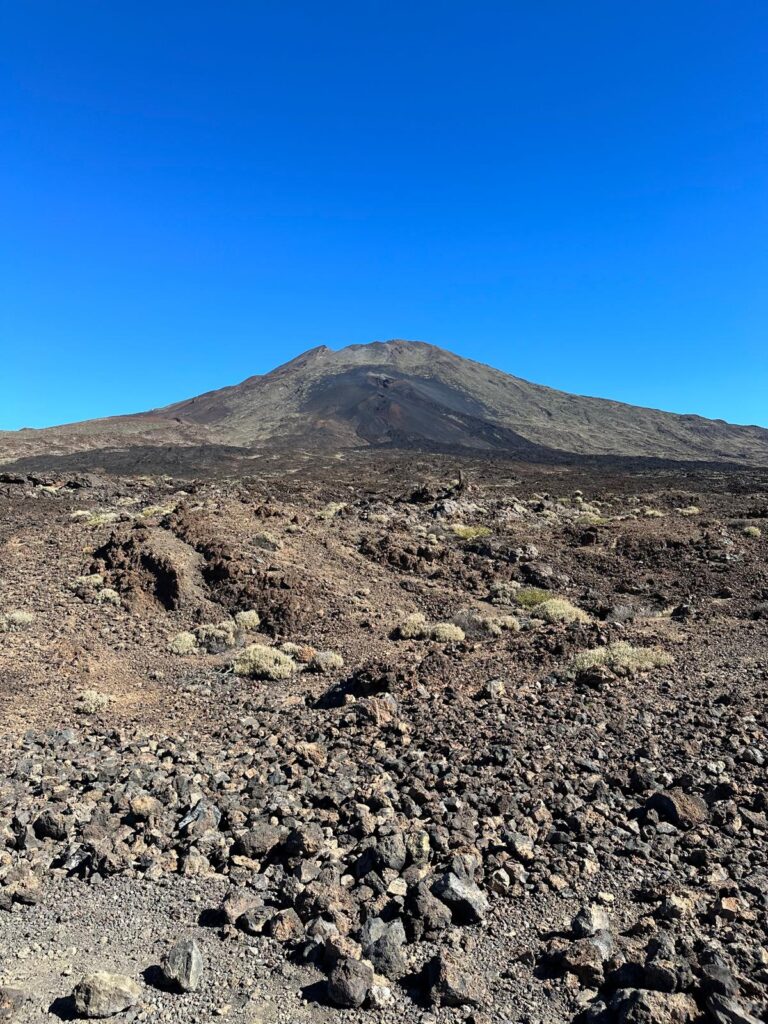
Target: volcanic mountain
x=403 y=395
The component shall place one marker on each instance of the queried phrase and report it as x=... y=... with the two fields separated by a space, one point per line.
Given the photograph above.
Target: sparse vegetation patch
x=558 y=609
x=530 y=597
x=258 y=661
x=622 y=658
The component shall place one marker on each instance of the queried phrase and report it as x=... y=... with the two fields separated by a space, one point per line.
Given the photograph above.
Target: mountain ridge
x=404 y=394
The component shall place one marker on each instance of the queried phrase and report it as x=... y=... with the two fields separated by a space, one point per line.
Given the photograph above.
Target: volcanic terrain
x=416 y=693
x=397 y=394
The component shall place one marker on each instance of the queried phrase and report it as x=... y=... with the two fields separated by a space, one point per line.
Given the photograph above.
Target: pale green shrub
x=19 y=619
x=558 y=609
x=91 y=701
x=414 y=627
x=183 y=643
x=260 y=662
x=446 y=632
x=326 y=661
x=248 y=621
x=215 y=635
x=622 y=657
x=752 y=531
x=464 y=532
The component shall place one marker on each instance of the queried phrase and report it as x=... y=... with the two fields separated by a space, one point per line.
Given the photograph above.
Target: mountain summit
x=406 y=395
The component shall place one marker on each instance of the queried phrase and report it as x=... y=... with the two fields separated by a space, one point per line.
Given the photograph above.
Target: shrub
x=108 y=596
x=91 y=701
x=214 y=636
x=475 y=623
x=621 y=657
x=446 y=632
x=94 y=580
x=266 y=541
x=752 y=531
x=591 y=519
x=503 y=592
x=509 y=622
x=470 y=532
x=331 y=510
x=102 y=518
x=558 y=609
x=413 y=628
x=157 y=510
x=689 y=510
x=530 y=597
x=302 y=653
x=183 y=643
x=326 y=661
x=260 y=662
x=19 y=619
x=248 y=621
x=653 y=513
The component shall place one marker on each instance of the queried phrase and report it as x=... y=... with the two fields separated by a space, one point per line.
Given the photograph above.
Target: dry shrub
x=414 y=627
x=248 y=621
x=303 y=653
x=503 y=592
x=91 y=701
x=622 y=658
x=16 y=619
x=260 y=662
x=558 y=609
x=214 y=636
x=326 y=661
x=446 y=632
x=183 y=643
x=464 y=532
x=476 y=624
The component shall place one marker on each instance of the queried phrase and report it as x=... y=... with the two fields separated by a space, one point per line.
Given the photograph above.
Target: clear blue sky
x=194 y=192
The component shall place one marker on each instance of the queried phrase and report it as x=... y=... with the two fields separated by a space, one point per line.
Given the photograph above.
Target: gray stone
x=724 y=1010
x=183 y=965
x=467 y=902
x=102 y=994
x=589 y=921
x=350 y=982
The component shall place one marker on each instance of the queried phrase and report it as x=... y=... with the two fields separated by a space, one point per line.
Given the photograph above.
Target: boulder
x=102 y=994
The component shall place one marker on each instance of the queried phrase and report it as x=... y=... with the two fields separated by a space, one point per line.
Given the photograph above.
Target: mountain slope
x=407 y=395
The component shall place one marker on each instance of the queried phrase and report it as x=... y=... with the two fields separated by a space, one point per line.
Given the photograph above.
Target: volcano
x=403 y=395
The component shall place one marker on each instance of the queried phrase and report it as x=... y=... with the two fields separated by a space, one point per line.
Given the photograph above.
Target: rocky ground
x=385 y=742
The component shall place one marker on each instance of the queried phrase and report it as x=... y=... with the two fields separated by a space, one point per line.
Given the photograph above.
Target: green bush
x=530 y=597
